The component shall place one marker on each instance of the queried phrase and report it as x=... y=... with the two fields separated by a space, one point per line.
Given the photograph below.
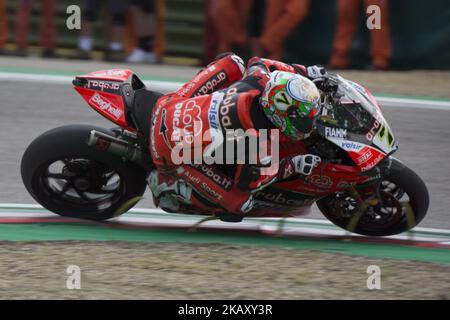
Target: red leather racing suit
x=224 y=95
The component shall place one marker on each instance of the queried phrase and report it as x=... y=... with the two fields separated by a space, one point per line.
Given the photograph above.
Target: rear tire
x=405 y=180
x=99 y=185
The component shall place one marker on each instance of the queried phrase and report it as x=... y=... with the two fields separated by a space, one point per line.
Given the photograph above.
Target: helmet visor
x=302 y=117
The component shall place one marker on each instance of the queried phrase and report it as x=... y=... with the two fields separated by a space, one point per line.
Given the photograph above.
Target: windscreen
x=353 y=110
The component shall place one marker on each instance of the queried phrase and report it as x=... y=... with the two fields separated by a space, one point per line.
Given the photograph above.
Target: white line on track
x=168 y=86
x=317 y=222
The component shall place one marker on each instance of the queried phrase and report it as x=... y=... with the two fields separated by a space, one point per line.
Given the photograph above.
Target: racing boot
x=168 y=193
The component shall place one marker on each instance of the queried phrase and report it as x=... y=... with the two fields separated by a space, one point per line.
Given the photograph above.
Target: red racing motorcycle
x=94 y=173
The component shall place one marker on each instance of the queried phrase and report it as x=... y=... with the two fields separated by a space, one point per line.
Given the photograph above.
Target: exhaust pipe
x=119 y=147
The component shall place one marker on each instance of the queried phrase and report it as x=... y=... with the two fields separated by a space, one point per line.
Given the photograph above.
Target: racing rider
x=225 y=95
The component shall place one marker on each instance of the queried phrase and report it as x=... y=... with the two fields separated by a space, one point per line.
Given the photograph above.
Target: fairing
x=354 y=123
x=106 y=92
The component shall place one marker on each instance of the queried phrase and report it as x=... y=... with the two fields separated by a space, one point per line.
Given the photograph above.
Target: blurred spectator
x=116 y=10
x=278 y=19
x=346 y=27
x=210 y=35
x=47 y=28
x=144 y=25
x=160 y=31
x=3 y=27
x=230 y=20
x=282 y=17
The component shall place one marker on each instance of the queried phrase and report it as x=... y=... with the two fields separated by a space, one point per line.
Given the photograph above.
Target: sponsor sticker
x=213 y=112
x=351 y=146
x=163 y=128
x=110 y=73
x=358 y=88
x=154 y=119
x=287 y=170
x=372 y=178
x=103 y=85
x=205 y=187
x=229 y=102
x=186 y=121
x=372 y=163
x=212 y=83
x=371 y=134
x=105 y=105
x=320 y=180
x=221 y=180
x=336 y=132
x=364 y=157
x=196 y=183
x=277 y=199
x=345 y=184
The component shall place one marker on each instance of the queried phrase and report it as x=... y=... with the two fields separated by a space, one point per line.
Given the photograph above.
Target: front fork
x=363 y=205
x=368 y=193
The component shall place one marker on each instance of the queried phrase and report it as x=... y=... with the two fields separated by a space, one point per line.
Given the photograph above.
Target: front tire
x=404 y=204
x=69 y=178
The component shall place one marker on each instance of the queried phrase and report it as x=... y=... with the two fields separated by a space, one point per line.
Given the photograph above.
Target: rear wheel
x=400 y=202
x=69 y=178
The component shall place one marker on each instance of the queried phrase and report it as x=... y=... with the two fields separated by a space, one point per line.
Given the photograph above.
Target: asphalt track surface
x=29 y=109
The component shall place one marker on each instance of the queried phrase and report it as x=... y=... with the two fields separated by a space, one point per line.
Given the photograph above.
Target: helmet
x=291 y=102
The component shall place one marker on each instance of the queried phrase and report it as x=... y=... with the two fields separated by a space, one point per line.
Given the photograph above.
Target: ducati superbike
x=95 y=173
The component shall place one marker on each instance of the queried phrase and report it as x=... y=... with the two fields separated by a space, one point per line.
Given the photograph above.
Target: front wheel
x=398 y=204
x=69 y=178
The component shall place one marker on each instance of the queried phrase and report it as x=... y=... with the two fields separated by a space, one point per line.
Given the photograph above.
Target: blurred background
x=169 y=40
x=414 y=34
x=406 y=62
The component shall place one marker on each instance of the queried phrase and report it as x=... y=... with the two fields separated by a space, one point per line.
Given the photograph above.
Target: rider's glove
x=304 y=164
x=316 y=72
